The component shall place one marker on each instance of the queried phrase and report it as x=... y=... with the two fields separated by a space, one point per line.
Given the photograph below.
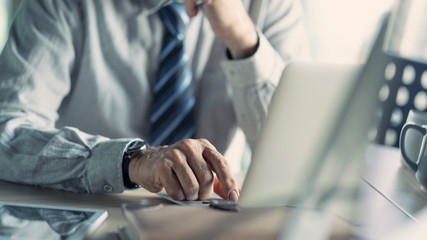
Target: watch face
x=136 y=145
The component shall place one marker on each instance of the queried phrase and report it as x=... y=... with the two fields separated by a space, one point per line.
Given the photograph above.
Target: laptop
x=313 y=137
x=303 y=117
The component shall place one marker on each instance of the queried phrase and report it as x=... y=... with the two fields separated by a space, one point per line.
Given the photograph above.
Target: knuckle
x=222 y=163
x=175 y=154
x=186 y=143
x=206 y=180
x=191 y=147
x=176 y=194
x=207 y=143
x=192 y=191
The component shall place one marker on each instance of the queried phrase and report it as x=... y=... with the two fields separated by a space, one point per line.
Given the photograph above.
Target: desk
x=391 y=197
x=10 y=192
x=396 y=182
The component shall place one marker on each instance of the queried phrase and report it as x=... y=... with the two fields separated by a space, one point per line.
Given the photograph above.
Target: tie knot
x=175 y=18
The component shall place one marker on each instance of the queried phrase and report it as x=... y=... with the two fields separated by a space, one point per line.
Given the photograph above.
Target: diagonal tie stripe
x=173 y=98
x=172 y=92
x=170 y=66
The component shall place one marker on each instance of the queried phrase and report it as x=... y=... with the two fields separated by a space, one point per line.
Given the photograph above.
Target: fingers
x=185 y=170
x=218 y=188
x=185 y=175
x=191 y=7
x=221 y=167
x=193 y=150
x=203 y=158
x=172 y=186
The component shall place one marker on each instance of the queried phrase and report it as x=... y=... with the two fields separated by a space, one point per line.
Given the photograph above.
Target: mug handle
x=405 y=129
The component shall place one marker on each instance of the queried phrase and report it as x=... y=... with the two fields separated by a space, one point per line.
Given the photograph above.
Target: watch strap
x=133 y=148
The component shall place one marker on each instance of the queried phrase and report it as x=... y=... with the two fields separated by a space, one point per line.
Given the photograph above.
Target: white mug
x=413 y=144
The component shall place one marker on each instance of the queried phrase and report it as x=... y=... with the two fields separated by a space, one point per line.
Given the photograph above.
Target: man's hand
x=187 y=170
x=230 y=22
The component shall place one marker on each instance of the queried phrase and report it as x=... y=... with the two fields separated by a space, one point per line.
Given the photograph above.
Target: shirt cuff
x=104 y=170
x=265 y=65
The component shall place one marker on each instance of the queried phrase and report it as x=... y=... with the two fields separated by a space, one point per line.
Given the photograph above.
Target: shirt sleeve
x=253 y=80
x=36 y=65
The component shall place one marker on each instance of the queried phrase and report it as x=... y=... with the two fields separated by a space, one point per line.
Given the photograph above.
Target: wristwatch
x=135 y=147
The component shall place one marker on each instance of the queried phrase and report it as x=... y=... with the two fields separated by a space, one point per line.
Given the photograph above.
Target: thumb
x=218 y=188
x=191 y=7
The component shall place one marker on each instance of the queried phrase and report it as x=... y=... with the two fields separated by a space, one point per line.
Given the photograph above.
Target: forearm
x=253 y=81
x=64 y=159
x=230 y=22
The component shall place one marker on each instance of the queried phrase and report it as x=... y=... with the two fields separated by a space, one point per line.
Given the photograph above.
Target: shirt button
x=231 y=72
x=108 y=188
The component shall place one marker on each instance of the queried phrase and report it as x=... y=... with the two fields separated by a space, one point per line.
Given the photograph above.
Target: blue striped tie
x=172 y=117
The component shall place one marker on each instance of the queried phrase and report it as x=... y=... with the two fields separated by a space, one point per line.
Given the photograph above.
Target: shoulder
x=49 y=13
x=49 y=8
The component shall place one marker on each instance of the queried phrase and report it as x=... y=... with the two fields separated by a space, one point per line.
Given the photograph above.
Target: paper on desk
x=198 y=203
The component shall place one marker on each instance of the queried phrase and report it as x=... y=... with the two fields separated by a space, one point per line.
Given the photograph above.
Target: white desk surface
x=396 y=182
x=10 y=192
x=392 y=197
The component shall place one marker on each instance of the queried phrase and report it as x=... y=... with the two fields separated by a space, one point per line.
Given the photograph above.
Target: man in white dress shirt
x=75 y=91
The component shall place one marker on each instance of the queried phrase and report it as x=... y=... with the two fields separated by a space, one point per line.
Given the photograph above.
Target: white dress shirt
x=76 y=77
